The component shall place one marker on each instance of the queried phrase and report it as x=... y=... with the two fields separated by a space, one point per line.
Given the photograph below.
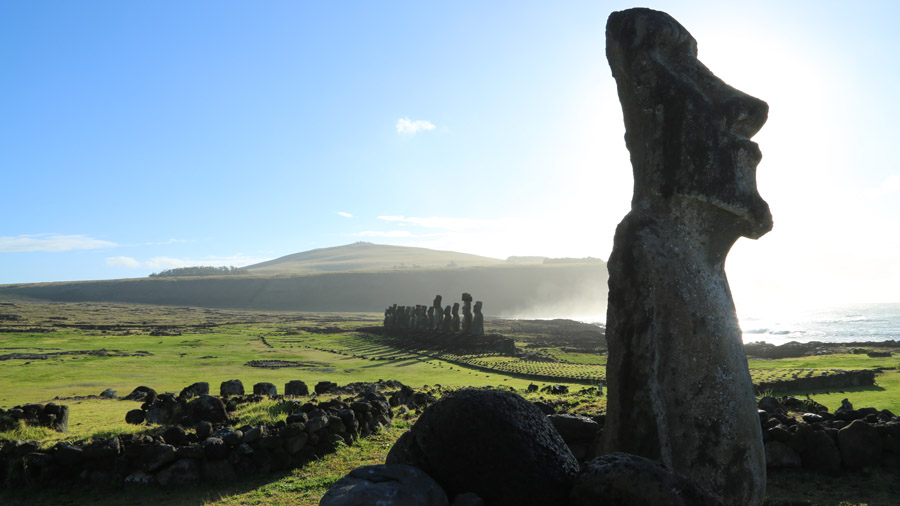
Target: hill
x=365 y=256
x=359 y=277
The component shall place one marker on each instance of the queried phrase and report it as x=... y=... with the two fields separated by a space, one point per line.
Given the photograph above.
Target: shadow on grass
x=827 y=391
x=138 y=495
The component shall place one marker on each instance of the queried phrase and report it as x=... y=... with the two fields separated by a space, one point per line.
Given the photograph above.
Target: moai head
x=431 y=311
x=477 y=307
x=437 y=301
x=687 y=131
x=447 y=311
x=466 y=297
x=456 y=308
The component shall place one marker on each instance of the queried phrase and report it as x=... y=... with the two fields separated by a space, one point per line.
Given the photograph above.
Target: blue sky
x=140 y=136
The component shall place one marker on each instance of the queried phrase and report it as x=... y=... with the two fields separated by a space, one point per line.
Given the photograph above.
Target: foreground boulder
x=621 y=479
x=397 y=485
x=679 y=390
x=492 y=443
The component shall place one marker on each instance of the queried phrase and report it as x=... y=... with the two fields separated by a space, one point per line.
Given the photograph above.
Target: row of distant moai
x=437 y=317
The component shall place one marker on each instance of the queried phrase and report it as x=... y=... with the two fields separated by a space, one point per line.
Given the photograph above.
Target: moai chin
x=438 y=311
x=679 y=390
x=477 y=320
x=467 y=313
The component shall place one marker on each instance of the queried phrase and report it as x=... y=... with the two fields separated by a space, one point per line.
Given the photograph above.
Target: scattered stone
x=860 y=445
x=135 y=417
x=194 y=390
x=296 y=388
x=109 y=393
x=265 y=388
x=231 y=387
x=467 y=441
x=621 y=479
x=141 y=394
x=397 y=485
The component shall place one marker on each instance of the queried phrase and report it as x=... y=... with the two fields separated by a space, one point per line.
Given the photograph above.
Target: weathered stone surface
x=142 y=394
x=296 y=388
x=231 y=387
x=182 y=472
x=493 y=443
x=166 y=410
x=195 y=389
x=679 y=391
x=207 y=408
x=860 y=445
x=135 y=417
x=397 y=485
x=779 y=454
x=109 y=393
x=265 y=388
x=628 y=480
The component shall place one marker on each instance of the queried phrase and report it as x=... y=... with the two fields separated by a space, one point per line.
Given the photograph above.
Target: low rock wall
x=834 y=379
x=50 y=415
x=207 y=453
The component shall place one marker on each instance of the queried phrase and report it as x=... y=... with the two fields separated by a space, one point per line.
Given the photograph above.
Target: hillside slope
x=364 y=256
x=563 y=290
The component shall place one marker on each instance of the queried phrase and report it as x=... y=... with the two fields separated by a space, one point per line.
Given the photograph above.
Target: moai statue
x=438 y=311
x=411 y=317
x=430 y=318
x=679 y=391
x=387 y=318
x=477 y=320
x=467 y=313
x=423 y=317
x=455 y=311
x=447 y=321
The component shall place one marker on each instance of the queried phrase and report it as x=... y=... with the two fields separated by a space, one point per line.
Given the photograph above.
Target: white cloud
x=345 y=215
x=51 y=242
x=122 y=262
x=408 y=126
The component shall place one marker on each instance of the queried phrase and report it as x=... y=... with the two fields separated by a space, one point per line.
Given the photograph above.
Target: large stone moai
x=438 y=311
x=447 y=322
x=455 y=313
x=679 y=386
x=467 y=313
x=477 y=320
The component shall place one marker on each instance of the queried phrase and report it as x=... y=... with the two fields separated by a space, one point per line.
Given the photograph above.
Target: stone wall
x=206 y=452
x=50 y=415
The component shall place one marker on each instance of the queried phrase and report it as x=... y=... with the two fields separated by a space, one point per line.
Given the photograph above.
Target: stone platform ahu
x=679 y=387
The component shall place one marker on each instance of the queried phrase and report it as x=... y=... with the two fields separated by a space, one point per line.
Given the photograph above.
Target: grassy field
x=168 y=348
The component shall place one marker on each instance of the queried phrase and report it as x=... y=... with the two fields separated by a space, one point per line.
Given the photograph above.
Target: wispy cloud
x=345 y=215
x=408 y=126
x=123 y=262
x=51 y=243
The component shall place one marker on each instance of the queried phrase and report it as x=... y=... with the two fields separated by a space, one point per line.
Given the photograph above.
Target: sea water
x=836 y=324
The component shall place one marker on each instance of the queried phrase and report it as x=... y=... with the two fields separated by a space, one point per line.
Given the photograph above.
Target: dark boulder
x=398 y=485
x=778 y=454
x=820 y=453
x=141 y=394
x=207 y=408
x=325 y=387
x=621 y=479
x=860 y=445
x=135 y=417
x=296 y=388
x=165 y=410
x=231 y=387
x=265 y=388
x=195 y=389
x=493 y=443
x=182 y=472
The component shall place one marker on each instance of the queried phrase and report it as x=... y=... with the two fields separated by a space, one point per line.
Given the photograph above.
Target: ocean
x=838 y=324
